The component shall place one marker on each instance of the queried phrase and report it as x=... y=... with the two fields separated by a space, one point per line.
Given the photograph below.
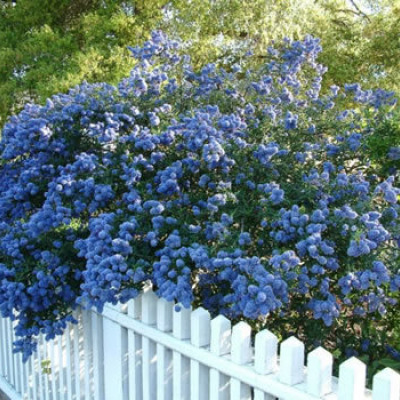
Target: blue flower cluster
x=247 y=193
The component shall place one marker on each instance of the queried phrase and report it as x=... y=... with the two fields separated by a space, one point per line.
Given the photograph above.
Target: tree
x=48 y=46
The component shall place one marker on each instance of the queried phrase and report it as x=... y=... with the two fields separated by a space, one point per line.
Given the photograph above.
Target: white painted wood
x=181 y=364
x=220 y=344
x=10 y=354
x=46 y=374
x=149 y=366
x=266 y=352
x=200 y=337
x=319 y=372
x=69 y=366
x=87 y=352
x=33 y=361
x=386 y=385
x=3 y=351
x=291 y=370
x=241 y=353
x=17 y=383
x=352 y=377
x=265 y=358
x=113 y=386
x=221 y=335
x=135 y=307
x=98 y=356
x=196 y=344
x=77 y=366
x=164 y=355
x=135 y=352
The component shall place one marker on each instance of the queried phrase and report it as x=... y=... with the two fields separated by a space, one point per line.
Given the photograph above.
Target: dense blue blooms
x=218 y=187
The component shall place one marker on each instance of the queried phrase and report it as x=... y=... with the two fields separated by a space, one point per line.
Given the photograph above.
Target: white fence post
x=164 y=355
x=200 y=337
x=352 y=376
x=181 y=372
x=98 y=356
x=149 y=367
x=241 y=354
x=113 y=360
x=220 y=344
x=266 y=358
x=135 y=352
x=319 y=372
x=291 y=369
x=178 y=355
x=386 y=385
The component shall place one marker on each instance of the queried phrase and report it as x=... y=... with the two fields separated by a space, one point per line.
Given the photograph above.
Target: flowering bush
x=245 y=191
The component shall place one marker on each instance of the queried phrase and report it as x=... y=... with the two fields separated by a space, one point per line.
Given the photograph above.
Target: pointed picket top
x=164 y=315
x=135 y=307
x=291 y=370
x=149 y=307
x=319 y=372
x=221 y=332
x=266 y=352
x=241 y=343
x=201 y=328
x=386 y=385
x=181 y=322
x=352 y=377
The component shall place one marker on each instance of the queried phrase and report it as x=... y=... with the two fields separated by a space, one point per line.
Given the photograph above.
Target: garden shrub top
x=246 y=191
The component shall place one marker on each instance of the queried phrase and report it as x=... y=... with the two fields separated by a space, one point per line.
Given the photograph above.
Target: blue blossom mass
x=250 y=193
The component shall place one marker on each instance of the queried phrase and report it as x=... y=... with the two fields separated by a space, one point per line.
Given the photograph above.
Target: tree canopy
x=47 y=46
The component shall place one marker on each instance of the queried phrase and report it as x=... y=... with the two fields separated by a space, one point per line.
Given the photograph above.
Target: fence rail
x=147 y=350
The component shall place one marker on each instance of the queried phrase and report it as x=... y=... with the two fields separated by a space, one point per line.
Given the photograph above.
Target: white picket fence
x=146 y=350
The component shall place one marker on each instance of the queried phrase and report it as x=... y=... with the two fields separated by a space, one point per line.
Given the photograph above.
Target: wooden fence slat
x=386 y=385
x=164 y=355
x=98 y=356
x=200 y=337
x=87 y=353
x=319 y=372
x=265 y=358
x=45 y=371
x=135 y=352
x=68 y=360
x=10 y=356
x=113 y=355
x=352 y=377
x=181 y=364
x=220 y=344
x=241 y=353
x=291 y=370
x=149 y=317
x=149 y=350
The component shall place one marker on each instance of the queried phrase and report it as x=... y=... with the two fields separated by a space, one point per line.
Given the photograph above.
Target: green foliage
x=48 y=46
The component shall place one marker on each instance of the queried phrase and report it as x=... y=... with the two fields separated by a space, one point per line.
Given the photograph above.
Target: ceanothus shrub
x=245 y=191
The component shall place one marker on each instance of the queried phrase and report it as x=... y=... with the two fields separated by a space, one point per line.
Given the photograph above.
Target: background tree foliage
x=47 y=46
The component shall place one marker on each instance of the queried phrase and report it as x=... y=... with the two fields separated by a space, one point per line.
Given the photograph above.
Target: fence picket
x=69 y=367
x=291 y=369
x=113 y=360
x=164 y=355
x=181 y=364
x=319 y=372
x=265 y=358
x=220 y=344
x=241 y=353
x=200 y=337
x=130 y=354
x=352 y=375
x=386 y=385
x=98 y=356
x=149 y=317
x=135 y=352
